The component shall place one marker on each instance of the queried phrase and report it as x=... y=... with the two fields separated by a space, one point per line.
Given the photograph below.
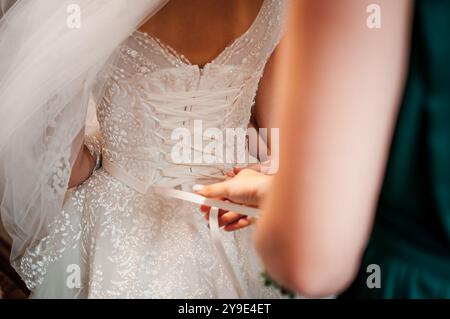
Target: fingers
x=205 y=209
x=219 y=190
x=241 y=223
x=229 y=218
x=231 y=221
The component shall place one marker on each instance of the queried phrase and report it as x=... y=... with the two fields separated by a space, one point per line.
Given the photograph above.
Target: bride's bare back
x=201 y=29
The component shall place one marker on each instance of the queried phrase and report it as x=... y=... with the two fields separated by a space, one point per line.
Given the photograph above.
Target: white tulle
x=49 y=73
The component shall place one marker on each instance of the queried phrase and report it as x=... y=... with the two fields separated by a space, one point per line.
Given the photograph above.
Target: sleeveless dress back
x=126 y=240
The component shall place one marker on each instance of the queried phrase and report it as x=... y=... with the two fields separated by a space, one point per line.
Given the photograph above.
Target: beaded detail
x=135 y=245
x=130 y=117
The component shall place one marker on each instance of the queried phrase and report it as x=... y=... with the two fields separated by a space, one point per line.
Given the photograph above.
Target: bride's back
x=201 y=29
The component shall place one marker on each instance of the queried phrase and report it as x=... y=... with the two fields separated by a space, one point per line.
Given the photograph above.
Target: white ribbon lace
x=173 y=110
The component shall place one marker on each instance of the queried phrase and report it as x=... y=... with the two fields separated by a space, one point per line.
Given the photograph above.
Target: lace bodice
x=154 y=90
x=130 y=244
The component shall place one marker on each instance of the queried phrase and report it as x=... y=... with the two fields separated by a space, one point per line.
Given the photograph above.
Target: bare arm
x=264 y=113
x=82 y=167
x=340 y=86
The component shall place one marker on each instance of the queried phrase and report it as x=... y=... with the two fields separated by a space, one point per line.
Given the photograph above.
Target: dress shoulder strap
x=254 y=47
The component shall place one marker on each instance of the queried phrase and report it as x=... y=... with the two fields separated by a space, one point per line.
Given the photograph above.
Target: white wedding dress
x=123 y=239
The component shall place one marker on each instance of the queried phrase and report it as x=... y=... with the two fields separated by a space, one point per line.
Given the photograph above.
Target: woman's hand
x=247 y=187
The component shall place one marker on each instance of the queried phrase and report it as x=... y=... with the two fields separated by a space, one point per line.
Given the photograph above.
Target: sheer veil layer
x=49 y=71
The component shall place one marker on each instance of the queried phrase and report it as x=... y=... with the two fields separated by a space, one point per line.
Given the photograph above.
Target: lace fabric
x=175 y=93
x=48 y=71
x=133 y=242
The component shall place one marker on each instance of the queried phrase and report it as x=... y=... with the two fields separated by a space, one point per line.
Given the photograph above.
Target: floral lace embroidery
x=106 y=218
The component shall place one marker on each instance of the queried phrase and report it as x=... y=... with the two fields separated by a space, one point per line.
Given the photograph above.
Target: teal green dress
x=410 y=241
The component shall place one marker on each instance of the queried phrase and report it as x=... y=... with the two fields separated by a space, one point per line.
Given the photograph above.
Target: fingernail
x=198 y=187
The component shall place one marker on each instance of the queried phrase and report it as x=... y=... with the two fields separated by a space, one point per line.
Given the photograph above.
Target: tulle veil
x=50 y=71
